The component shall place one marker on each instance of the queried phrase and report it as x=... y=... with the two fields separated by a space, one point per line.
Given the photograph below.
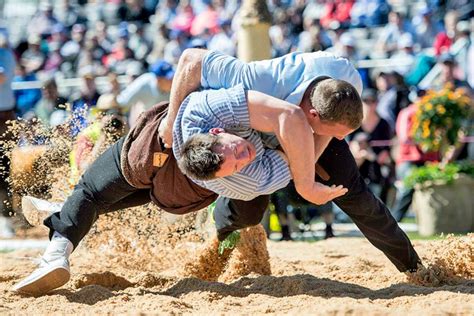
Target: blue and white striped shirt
x=227 y=108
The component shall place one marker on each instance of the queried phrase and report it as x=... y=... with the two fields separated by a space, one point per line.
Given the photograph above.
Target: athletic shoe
x=36 y=210
x=53 y=270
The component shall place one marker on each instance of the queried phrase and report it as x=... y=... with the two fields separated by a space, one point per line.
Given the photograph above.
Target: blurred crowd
x=125 y=52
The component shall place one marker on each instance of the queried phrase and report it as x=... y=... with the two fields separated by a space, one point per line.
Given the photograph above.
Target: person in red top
x=445 y=39
x=409 y=156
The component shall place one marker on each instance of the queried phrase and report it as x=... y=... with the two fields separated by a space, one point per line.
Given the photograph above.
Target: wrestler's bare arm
x=187 y=79
x=288 y=122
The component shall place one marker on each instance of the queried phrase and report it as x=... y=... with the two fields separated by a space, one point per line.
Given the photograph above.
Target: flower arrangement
x=439 y=118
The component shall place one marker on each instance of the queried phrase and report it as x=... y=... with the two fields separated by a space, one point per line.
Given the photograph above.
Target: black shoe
x=285 y=233
x=329 y=232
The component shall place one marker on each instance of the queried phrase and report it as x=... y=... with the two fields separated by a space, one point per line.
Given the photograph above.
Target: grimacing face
x=237 y=151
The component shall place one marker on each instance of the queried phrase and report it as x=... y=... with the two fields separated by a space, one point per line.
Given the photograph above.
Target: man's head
x=164 y=73
x=335 y=108
x=215 y=155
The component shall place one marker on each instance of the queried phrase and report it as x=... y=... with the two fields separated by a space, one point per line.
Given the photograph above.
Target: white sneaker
x=37 y=210
x=53 y=271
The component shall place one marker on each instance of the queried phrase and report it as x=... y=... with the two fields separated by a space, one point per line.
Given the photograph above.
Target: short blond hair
x=337 y=101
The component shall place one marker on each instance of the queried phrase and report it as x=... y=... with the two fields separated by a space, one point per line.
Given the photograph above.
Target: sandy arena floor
x=333 y=277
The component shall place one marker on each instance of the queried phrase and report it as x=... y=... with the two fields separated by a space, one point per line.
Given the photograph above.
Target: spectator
x=373 y=158
x=33 y=58
x=337 y=11
x=71 y=49
x=445 y=39
x=448 y=75
x=223 y=41
x=7 y=112
x=102 y=37
x=409 y=156
x=120 y=56
x=313 y=37
x=147 y=90
x=160 y=40
x=49 y=102
x=287 y=201
x=68 y=14
x=166 y=11
x=405 y=54
x=54 y=59
x=175 y=47
x=345 y=46
x=463 y=41
x=426 y=28
x=43 y=21
x=208 y=19
x=387 y=107
x=133 y=11
x=137 y=42
x=387 y=43
x=184 y=18
x=314 y=10
x=369 y=13
x=25 y=98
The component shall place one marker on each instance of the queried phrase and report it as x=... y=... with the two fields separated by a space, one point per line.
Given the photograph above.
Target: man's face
x=324 y=128
x=237 y=151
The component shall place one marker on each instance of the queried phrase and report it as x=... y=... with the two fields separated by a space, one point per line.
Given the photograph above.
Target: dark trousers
x=102 y=189
x=369 y=214
x=404 y=195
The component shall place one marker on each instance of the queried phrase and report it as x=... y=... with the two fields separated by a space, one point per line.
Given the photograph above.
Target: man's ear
x=216 y=130
x=313 y=113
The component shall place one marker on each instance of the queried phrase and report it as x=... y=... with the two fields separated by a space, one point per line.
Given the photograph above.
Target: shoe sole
x=53 y=279
x=32 y=214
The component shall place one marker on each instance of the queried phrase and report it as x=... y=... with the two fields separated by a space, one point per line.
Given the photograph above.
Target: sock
x=58 y=246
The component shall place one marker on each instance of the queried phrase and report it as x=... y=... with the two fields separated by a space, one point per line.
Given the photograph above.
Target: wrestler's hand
x=165 y=131
x=323 y=193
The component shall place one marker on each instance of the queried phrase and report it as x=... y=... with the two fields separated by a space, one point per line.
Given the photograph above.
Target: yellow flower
x=441 y=109
x=426 y=132
x=428 y=106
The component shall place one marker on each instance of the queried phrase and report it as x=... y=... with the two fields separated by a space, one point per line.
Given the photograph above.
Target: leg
x=102 y=188
x=371 y=216
x=280 y=200
x=404 y=195
x=231 y=215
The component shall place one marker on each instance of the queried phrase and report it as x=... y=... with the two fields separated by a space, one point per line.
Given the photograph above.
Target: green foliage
x=437 y=173
x=229 y=242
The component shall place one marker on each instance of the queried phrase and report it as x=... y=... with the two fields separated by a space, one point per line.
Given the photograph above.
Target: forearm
x=320 y=144
x=289 y=124
x=187 y=79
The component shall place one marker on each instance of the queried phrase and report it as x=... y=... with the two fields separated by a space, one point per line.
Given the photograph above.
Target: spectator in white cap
x=405 y=54
x=345 y=47
x=147 y=90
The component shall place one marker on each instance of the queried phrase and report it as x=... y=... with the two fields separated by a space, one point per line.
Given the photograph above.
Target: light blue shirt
x=228 y=109
x=285 y=78
x=7 y=68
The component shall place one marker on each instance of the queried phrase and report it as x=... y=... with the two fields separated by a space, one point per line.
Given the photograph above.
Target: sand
x=337 y=276
x=144 y=261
